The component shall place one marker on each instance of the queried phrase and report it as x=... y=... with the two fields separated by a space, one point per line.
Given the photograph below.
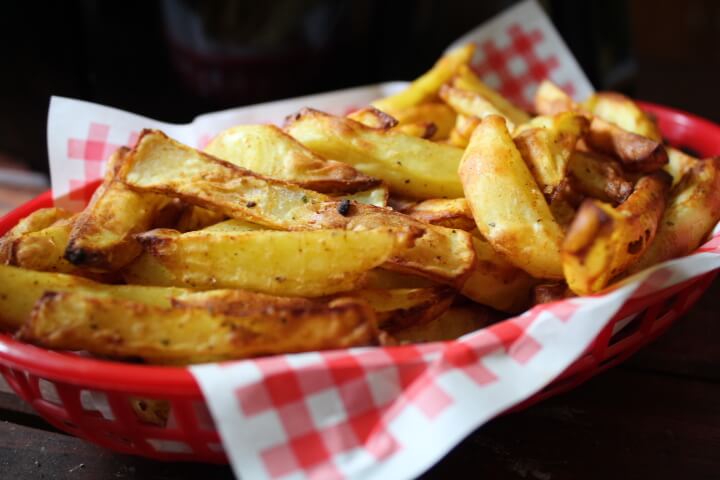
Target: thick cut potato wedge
x=603 y=241
x=637 y=153
x=425 y=88
x=377 y=197
x=508 y=207
x=147 y=270
x=312 y=263
x=461 y=133
x=450 y=213
x=692 y=211
x=36 y=221
x=678 y=163
x=468 y=81
x=623 y=112
x=380 y=278
x=44 y=250
x=373 y=118
x=268 y=151
x=196 y=218
x=20 y=289
x=546 y=143
x=411 y=166
x=564 y=203
x=439 y=114
x=471 y=104
x=598 y=176
x=496 y=282
x=424 y=130
x=454 y=323
x=400 y=308
x=243 y=302
x=183 y=335
x=551 y=100
x=101 y=236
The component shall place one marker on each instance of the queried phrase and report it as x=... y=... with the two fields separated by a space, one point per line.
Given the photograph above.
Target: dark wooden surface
x=656 y=416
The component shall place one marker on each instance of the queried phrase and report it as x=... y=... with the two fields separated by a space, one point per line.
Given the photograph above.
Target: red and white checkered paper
x=376 y=412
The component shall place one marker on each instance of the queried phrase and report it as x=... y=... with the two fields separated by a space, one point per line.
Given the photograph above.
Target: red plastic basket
x=91 y=398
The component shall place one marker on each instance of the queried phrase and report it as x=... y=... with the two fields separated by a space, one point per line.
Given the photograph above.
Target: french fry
x=509 y=208
x=268 y=151
x=396 y=309
x=36 y=221
x=678 y=163
x=637 y=153
x=411 y=166
x=311 y=263
x=437 y=113
x=471 y=104
x=598 y=176
x=425 y=130
x=603 y=241
x=623 y=112
x=377 y=196
x=454 y=323
x=425 y=88
x=44 y=250
x=468 y=81
x=197 y=218
x=379 y=278
x=448 y=213
x=183 y=335
x=692 y=211
x=21 y=288
x=551 y=99
x=546 y=143
x=373 y=118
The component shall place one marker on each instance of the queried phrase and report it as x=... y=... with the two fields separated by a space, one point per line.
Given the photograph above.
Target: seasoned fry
x=451 y=213
x=623 y=112
x=312 y=263
x=400 y=308
x=44 y=250
x=183 y=335
x=692 y=211
x=377 y=197
x=508 y=207
x=564 y=203
x=468 y=81
x=439 y=114
x=546 y=143
x=101 y=236
x=21 y=288
x=411 y=166
x=424 y=130
x=471 y=104
x=603 y=242
x=425 y=87
x=551 y=99
x=36 y=221
x=678 y=164
x=496 y=282
x=373 y=118
x=598 y=176
x=454 y=323
x=637 y=153
x=243 y=302
x=268 y=151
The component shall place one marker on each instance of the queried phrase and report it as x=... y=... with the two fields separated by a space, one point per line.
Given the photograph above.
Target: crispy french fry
x=692 y=211
x=101 y=236
x=468 y=81
x=21 y=288
x=411 y=166
x=182 y=335
x=439 y=114
x=603 y=241
x=373 y=118
x=197 y=218
x=508 y=207
x=564 y=203
x=424 y=130
x=268 y=151
x=546 y=143
x=400 y=308
x=598 y=176
x=380 y=278
x=623 y=112
x=377 y=196
x=425 y=88
x=496 y=282
x=551 y=99
x=36 y=221
x=637 y=153
x=448 y=213
x=44 y=250
x=678 y=163
x=312 y=263
x=454 y=323
x=471 y=104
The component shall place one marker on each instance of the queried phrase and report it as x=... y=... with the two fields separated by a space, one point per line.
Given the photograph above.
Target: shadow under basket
x=159 y=412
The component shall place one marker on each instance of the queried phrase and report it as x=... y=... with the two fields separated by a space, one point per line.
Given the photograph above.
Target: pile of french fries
x=418 y=218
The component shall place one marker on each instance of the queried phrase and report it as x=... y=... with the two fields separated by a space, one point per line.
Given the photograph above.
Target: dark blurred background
x=175 y=59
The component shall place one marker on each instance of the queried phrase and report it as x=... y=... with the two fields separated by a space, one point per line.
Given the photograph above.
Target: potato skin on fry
x=603 y=242
x=598 y=176
x=637 y=153
x=448 y=213
x=36 y=221
x=509 y=208
x=184 y=335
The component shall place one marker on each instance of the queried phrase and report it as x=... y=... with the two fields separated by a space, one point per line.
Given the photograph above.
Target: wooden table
x=656 y=416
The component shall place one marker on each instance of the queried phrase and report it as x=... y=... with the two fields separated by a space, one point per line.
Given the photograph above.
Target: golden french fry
x=637 y=153
x=691 y=213
x=184 y=334
x=678 y=164
x=311 y=263
x=400 y=308
x=380 y=278
x=377 y=196
x=508 y=207
x=551 y=99
x=197 y=218
x=411 y=166
x=454 y=323
x=468 y=81
x=44 y=250
x=268 y=151
x=564 y=203
x=546 y=143
x=598 y=176
x=449 y=213
x=36 y=221
x=471 y=104
x=439 y=114
x=603 y=241
x=424 y=130
x=373 y=118
x=425 y=88
x=623 y=112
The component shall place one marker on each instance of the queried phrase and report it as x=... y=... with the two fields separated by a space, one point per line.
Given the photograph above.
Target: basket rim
x=178 y=380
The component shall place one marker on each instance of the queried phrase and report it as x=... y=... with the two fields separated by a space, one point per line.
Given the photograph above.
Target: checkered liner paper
x=377 y=412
